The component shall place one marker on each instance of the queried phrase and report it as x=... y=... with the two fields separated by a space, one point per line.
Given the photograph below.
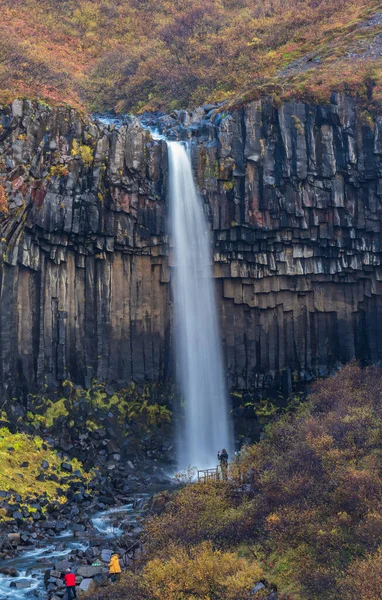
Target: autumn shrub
x=306 y=501
x=200 y=572
x=144 y=55
x=364 y=578
x=198 y=512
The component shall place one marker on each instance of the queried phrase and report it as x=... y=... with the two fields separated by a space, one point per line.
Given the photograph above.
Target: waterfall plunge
x=198 y=346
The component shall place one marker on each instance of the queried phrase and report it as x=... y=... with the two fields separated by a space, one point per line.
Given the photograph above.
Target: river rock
x=66 y=467
x=14 y=538
x=106 y=555
x=21 y=584
x=10 y=571
x=48 y=524
x=62 y=566
x=87 y=586
x=89 y=571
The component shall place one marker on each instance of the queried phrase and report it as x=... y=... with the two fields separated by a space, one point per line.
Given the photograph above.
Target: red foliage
x=130 y=54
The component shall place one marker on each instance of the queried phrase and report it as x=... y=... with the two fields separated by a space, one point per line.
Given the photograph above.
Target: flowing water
x=32 y=564
x=113 y=522
x=198 y=345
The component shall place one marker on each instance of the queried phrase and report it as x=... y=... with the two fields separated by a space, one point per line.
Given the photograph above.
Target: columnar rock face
x=84 y=291
x=296 y=205
x=294 y=193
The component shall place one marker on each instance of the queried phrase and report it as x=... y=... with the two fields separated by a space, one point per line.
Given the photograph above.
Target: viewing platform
x=205 y=475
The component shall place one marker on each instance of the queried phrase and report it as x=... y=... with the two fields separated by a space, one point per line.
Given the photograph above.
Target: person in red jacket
x=70 y=582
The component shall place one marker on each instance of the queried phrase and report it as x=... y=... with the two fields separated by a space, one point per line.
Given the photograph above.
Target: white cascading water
x=198 y=346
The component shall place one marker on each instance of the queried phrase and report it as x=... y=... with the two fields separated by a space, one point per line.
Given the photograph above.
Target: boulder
x=105 y=555
x=87 y=586
x=21 y=584
x=14 y=538
x=62 y=566
x=259 y=586
x=89 y=571
x=66 y=467
x=60 y=525
x=10 y=571
x=48 y=525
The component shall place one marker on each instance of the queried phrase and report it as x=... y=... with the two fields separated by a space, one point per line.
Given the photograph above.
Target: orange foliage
x=130 y=54
x=3 y=201
x=307 y=499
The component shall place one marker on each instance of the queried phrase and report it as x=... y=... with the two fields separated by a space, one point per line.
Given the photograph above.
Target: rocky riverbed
x=35 y=555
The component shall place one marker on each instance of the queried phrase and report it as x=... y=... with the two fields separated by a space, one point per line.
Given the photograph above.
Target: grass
x=136 y=56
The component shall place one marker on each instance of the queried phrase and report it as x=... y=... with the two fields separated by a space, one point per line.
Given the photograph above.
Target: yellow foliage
x=202 y=573
x=3 y=201
x=33 y=451
x=144 y=55
x=59 y=171
x=273 y=520
x=82 y=151
x=306 y=500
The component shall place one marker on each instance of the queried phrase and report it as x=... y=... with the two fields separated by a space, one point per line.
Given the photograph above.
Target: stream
x=31 y=564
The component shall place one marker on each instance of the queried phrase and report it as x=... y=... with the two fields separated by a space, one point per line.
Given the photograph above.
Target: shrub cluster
x=303 y=507
x=145 y=55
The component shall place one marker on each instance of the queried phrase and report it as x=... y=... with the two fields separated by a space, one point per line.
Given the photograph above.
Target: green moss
x=228 y=185
x=367 y=119
x=298 y=125
x=15 y=449
x=288 y=57
x=143 y=411
x=52 y=412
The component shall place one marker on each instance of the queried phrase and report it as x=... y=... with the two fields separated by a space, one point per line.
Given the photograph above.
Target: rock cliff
x=294 y=194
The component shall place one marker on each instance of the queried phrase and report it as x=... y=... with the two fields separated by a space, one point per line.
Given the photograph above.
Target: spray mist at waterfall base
x=207 y=427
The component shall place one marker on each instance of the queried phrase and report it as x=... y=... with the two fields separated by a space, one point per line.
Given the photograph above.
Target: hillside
x=301 y=510
x=143 y=55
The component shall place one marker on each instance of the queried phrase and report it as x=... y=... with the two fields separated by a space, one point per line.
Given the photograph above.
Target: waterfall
x=198 y=346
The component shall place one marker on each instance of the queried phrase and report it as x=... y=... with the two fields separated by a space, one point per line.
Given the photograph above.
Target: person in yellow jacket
x=114 y=568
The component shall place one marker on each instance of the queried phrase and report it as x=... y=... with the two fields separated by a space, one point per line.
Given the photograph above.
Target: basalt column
x=84 y=275
x=293 y=193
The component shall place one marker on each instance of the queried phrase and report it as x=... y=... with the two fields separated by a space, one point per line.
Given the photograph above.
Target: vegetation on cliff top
x=303 y=508
x=140 y=54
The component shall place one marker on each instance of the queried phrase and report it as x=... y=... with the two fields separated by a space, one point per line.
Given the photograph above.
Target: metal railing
x=219 y=473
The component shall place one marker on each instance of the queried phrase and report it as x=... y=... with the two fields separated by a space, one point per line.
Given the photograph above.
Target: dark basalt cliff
x=294 y=193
